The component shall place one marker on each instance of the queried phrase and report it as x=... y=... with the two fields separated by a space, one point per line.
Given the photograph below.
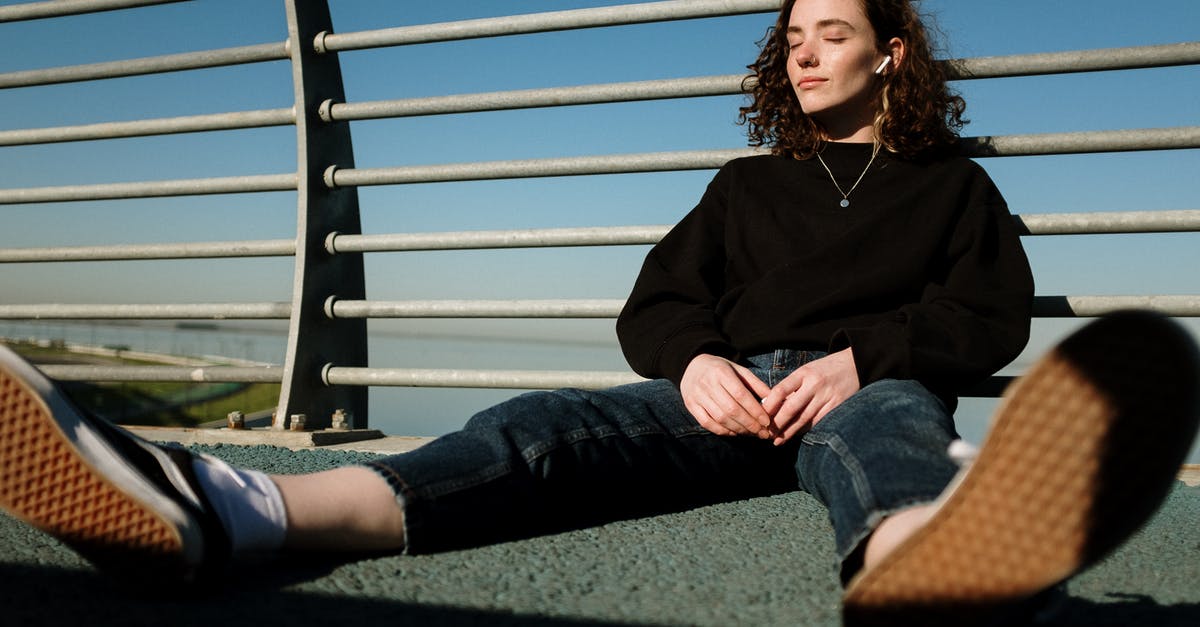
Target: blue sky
x=1138 y=264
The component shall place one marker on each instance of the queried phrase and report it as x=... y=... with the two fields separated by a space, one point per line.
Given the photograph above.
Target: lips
x=808 y=82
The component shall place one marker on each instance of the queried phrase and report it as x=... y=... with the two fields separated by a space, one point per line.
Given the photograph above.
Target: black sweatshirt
x=923 y=274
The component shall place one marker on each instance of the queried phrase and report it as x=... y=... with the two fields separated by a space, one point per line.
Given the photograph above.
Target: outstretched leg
x=344 y=509
x=541 y=462
x=1081 y=452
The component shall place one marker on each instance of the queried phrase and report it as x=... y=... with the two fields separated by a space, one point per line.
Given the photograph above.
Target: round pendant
x=845 y=203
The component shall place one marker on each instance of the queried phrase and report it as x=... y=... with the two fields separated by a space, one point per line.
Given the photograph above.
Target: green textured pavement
x=766 y=561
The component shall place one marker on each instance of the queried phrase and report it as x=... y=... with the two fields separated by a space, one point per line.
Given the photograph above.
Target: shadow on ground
x=762 y=561
x=53 y=596
x=92 y=600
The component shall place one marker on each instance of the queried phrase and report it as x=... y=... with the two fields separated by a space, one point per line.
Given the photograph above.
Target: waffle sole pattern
x=48 y=482
x=1081 y=452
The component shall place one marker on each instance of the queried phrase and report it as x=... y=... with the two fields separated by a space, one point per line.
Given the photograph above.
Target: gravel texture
x=766 y=561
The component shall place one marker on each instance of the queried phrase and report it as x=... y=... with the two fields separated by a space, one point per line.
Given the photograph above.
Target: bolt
x=236 y=420
x=341 y=419
x=298 y=422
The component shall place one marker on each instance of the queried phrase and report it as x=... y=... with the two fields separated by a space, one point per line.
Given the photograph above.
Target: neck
x=859 y=129
x=856 y=135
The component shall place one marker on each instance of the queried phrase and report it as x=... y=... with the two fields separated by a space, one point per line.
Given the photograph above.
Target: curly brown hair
x=918 y=114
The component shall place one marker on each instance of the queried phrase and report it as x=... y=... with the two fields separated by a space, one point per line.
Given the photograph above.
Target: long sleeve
x=923 y=275
x=972 y=318
x=670 y=314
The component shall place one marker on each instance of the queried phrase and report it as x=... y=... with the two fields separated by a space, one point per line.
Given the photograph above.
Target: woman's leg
x=344 y=509
x=874 y=462
x=537 y=463
x=1081 y=451
x=549 y=461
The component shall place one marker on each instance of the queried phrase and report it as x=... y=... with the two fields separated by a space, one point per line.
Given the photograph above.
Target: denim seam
x=403 y=492
x=862 y=488
x=871 y=522
x=578 y=435
x=484 y=475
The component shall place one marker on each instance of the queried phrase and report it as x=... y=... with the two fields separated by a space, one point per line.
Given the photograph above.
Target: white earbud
x=883 y=66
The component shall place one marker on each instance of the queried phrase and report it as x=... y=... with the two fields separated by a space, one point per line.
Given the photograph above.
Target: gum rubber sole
x=1081 y=452
x=46 y=481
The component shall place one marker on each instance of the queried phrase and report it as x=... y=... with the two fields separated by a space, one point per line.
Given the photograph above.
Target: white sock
x=247 y=502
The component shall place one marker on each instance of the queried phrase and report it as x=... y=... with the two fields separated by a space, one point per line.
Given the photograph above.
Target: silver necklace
x=846 y=194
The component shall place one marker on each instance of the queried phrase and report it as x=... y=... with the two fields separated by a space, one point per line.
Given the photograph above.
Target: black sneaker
x=1081 y=452
x=130 y=507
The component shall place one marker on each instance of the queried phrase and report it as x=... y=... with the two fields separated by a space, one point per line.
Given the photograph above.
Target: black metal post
x=314 y=339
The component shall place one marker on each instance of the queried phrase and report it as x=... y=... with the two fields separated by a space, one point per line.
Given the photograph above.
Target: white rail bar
x=731 y=84
x=181 y=250
x=1044 y=306
x=151 y=189
x=142 y=128
x=148 y=65
x=58 y=8
x=206 y=311
x=193 y=374
x=507 y=379
x=999 y=146
x=1167 y=221
x=564 y=308
x=541 y=22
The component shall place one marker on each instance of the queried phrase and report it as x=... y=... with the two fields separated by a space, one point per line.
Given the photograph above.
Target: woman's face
x=831 y=63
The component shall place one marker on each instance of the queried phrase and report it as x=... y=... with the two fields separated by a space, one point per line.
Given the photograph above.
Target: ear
x=896 y=48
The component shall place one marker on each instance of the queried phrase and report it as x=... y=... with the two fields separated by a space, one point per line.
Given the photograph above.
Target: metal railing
x=328 y=311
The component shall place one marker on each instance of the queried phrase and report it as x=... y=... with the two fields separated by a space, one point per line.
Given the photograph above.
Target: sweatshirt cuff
x=677 y=351
x=878 y=352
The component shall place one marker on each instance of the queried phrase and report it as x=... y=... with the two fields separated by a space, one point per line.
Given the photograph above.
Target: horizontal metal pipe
x=59 y=8
x=567 y=166
x=566 y=308
x=998 y=146
x=1043 y=307
x=1180 y=137
x=151 y=189
x=523 y=379
x=1029 y=224
x=731 y=84
x=203 y=311
x=180 y=250
x=142 y=128
x=1183 y=220
x=530 y=98
x=541 y=22
x=1089 y=306
x=1127 y=58
x=516 y=238
x=149 y=65
x=185 y=374
x=503 y=379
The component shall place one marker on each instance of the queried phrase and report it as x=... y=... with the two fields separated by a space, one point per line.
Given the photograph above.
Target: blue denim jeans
x=550 y=461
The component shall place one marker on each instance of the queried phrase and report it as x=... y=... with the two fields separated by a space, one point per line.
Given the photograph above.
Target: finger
x=808 y=419
x=792 y=408
x=741 y=412
x=705 y=420
x=750 y=405
x=798 y=427
x=773 y=402
x=760 y=389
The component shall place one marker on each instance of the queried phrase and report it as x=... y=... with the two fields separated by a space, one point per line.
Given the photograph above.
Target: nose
x=804 y=58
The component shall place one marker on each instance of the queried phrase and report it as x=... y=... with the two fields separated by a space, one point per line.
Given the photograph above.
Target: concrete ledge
x=337 y=439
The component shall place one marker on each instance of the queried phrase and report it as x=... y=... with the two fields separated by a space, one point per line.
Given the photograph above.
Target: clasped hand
x=727 y=399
